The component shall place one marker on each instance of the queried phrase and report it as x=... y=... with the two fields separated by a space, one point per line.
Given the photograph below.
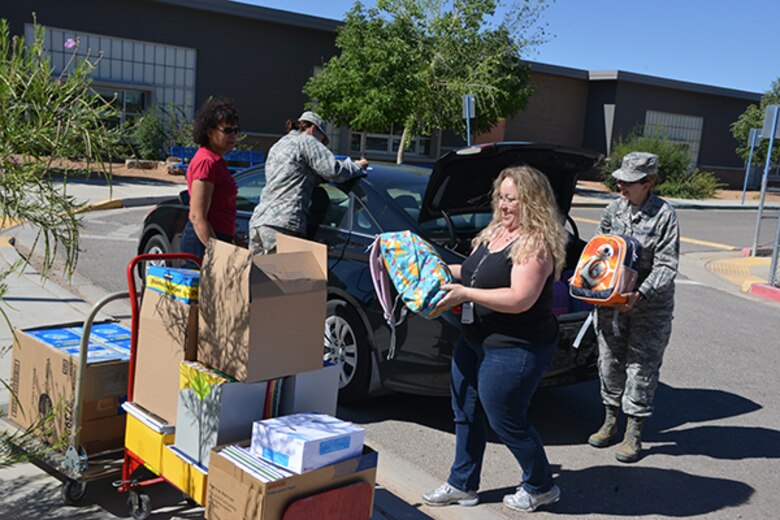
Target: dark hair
x=211 y=113
x=295 y=124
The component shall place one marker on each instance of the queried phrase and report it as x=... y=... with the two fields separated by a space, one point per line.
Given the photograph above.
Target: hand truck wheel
x=139 y=505
x=72 y=491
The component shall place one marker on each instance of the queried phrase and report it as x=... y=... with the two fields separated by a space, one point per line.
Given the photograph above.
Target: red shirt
x=210 y=167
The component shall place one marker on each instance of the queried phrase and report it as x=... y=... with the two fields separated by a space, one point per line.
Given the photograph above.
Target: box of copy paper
x=43 y=378
x=237 y=492
x=306 y=441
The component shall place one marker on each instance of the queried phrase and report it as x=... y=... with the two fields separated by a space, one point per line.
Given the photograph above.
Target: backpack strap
x=583 y=329
x=381 y=282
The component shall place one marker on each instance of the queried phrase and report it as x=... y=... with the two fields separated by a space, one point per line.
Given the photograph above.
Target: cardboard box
x=184 y=473
x=263 y=317
x=43 y=377
x=167 y=335
x=179 y=284
x=234 y=494
x=214 y=410
x=145 y=439
x=306 y=441
x=315 y=391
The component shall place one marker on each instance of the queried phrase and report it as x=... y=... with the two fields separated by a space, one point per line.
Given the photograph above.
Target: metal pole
x=468 y=131
x=754 y=133
x=773 y=264
x=764 y=180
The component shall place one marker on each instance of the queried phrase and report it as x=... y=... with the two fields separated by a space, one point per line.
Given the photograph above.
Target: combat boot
x=606 y=434
x=629 y=449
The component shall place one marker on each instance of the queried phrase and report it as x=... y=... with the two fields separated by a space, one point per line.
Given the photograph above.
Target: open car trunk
x=462 y=181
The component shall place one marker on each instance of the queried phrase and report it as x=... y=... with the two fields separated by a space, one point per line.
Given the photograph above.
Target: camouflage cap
x=636 y=166
x=316 y=120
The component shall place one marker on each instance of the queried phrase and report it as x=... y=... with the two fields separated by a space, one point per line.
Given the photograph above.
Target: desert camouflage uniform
x=296 y=164
x=629 y=362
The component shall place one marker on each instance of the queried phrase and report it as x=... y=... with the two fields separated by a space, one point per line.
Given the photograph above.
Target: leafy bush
x=675 y=178
x=697 y=185
x=150 y=136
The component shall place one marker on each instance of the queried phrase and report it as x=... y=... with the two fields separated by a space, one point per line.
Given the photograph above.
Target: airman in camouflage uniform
x=296 y=164
x=631 y=348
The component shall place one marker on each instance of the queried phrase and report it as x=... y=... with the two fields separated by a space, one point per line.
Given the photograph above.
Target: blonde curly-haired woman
x=509 y=337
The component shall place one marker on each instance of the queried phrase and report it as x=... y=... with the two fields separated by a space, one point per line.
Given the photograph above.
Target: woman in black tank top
x=509 y=338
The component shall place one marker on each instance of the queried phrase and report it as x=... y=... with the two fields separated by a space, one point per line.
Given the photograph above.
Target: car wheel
x=346 y=346
x=156 y=245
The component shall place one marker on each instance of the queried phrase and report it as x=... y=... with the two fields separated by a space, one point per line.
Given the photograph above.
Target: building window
x=129 y=103
x=387 y=144
x=679 y=128
x=140 y=73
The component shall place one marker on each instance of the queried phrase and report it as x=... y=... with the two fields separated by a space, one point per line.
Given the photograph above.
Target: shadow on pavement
x=567 y=415
x=388 y=506
x=37 y=495
x=638 y=491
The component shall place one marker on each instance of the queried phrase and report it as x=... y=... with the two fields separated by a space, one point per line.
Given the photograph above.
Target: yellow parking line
x=714 y=245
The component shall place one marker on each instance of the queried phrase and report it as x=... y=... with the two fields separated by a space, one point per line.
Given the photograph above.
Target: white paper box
x=306 y=441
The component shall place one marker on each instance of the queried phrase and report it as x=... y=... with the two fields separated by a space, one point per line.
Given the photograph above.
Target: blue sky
x=725 y=43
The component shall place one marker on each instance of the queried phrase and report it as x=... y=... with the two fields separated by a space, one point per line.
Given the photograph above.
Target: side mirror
x=184 y=197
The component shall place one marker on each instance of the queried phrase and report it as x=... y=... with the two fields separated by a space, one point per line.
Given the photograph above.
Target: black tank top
x=500 y=329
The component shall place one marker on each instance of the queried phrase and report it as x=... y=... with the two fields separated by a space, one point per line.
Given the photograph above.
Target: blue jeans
x=497 y=384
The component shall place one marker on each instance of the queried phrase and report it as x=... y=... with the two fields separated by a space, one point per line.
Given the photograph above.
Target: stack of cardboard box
x=212 y=367
x=44 y=379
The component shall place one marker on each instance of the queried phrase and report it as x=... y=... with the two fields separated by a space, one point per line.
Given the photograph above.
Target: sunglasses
x=229 y=130
x=632 y=183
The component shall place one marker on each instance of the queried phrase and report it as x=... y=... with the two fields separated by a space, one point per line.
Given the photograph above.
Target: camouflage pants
x=630 y=362
x=262 y=240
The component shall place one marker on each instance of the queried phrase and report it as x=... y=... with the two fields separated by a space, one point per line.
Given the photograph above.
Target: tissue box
x=306 y=441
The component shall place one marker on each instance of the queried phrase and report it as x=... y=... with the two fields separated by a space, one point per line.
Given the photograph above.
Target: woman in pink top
x=210 y=184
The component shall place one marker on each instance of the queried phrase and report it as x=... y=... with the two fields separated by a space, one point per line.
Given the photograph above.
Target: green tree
x=675 y=178
x=44 y=118
x=158 y=129
x=409 y=62
x=753 y=117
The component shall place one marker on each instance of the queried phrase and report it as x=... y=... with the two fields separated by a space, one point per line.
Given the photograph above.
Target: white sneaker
x=522 y=500
x=446 y=495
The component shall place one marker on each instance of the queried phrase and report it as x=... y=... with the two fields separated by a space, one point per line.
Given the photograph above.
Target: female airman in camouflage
x=630 y=354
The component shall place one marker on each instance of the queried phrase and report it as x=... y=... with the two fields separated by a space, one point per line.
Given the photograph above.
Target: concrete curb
x=129 y=202
x=585 y=202
x=408 y=482
x=765 y=291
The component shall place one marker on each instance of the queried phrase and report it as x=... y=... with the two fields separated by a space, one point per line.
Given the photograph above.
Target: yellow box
x=146 y=443
x=188 y=477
